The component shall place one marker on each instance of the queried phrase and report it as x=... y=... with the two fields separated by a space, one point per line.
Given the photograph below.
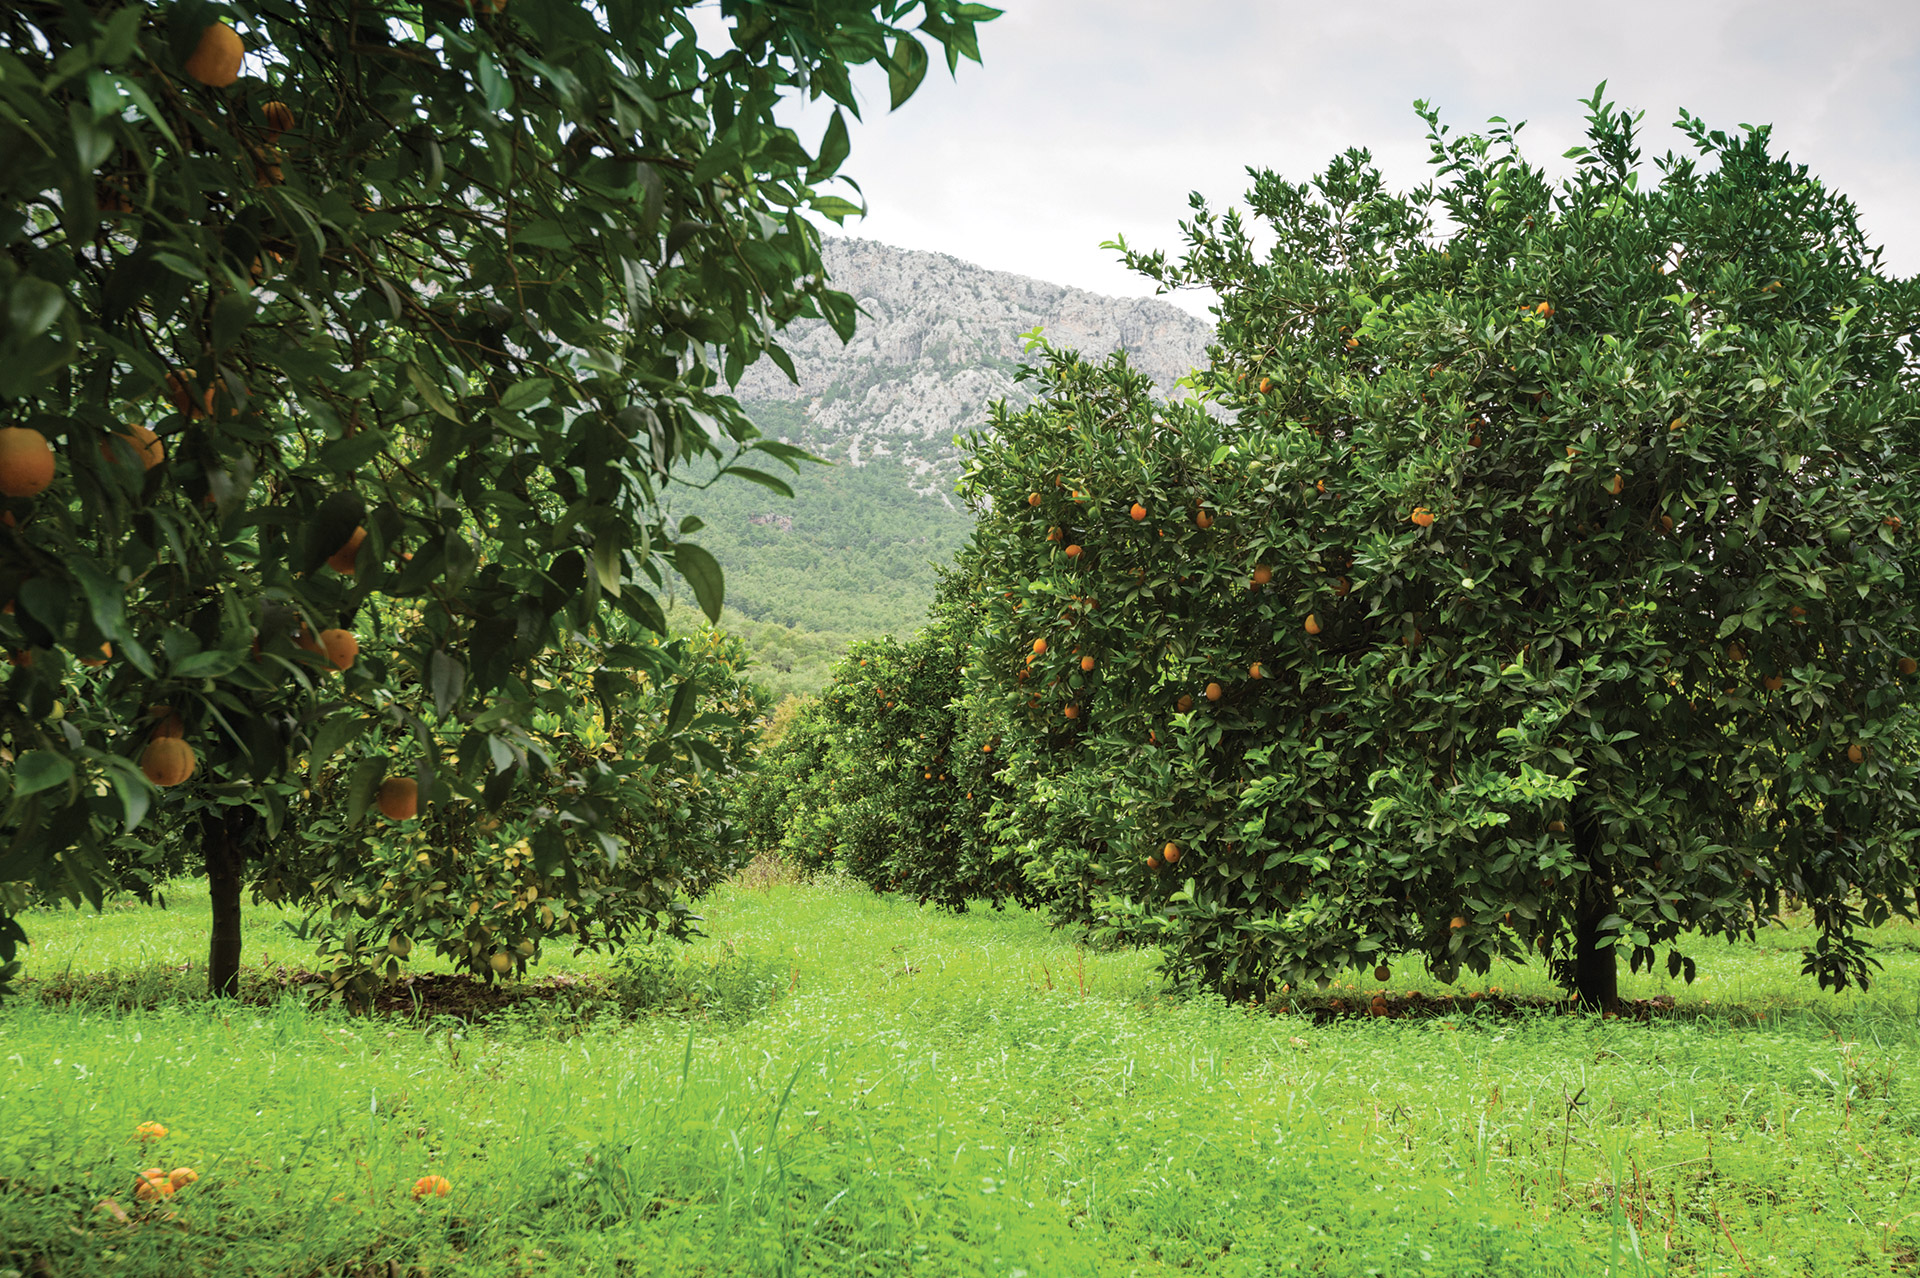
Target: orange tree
x=653 y=758
x=313 y=306
x=889 y=777
x=1539 y=585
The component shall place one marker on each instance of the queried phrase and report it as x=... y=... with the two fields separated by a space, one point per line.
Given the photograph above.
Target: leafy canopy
x=474 y=278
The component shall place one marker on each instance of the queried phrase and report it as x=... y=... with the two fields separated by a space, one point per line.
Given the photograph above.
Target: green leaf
x=685 y=697
x=905 y=70
x=335 y=734
x=231 y=315
x=38 y=770
x=362 y=786
x=607 y=564
x=702 y=572
x=132 y=788
x=430 y=393
x=762 y=478
x=834 y=149
x=447 y=677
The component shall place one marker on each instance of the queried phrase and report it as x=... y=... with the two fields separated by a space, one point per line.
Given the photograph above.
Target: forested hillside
x=854 y=552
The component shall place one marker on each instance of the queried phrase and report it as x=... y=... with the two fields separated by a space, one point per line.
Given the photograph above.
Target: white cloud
x=1096 y=117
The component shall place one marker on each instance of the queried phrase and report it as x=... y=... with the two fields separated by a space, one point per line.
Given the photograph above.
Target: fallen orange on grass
x=436 y=1186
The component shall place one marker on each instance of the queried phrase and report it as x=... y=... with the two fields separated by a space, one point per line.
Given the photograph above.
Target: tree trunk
x=1596 y=970
x=223 y=836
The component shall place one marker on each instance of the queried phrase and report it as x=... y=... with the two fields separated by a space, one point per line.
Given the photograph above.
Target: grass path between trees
x=928 y=1094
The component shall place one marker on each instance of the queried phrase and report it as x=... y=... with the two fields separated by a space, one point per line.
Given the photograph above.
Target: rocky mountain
x=939 y=341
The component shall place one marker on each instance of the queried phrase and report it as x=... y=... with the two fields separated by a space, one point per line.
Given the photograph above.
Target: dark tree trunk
x=224 y=837
x=1596 y=970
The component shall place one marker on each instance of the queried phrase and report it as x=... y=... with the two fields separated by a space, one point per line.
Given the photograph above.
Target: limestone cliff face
x=940 y=341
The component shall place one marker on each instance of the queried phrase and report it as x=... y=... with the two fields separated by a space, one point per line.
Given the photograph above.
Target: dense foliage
x=488 y=888
x=1530 y=579
x=888 y=777
x=421 y=303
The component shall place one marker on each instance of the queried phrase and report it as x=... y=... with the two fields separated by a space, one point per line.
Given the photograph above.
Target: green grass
x=929 y=1094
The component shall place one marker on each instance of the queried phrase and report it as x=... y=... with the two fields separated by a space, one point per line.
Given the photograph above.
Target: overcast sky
x=1096 y=117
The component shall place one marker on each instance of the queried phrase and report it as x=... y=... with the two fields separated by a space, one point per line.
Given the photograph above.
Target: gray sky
x=1096 y=117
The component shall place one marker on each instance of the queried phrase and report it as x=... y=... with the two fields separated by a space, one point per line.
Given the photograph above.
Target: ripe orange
x=1341 y=587
x=168 y=761
x=152 y=1186
x=987 y=749
x=1266 y=384
x=1666 y=523
x=1772 y=683
x=1215 y=692
x=1053 y=534
x=1039 y=647
x=1544 y=310
x=215 y=61
x=1171 y=853
x=341 y=647
x=145 y=445
x=1262 y=574
x=342 y=560
x=1204 y=519
x=1256 y=671
x=1353 y=343
x=1422 y=517
x=168 y=725
x=1313 y=624
x=180 y=395
x=1153 y=863
x=1033 y=499
x=1071 y=712
x=1908 y=665
x=398 y=798
x=1459 y=921
x=1618 y=485
x=26 y=462
x=1677 y=424
x=279 y=117
x=1558 y=827
x=1184 y=704
x=1138 y=512
x=1073 y=552
x=149 y=1131
x=1087 y=663
x=181 y=1177
x=436 y=1186
x=1855 y=754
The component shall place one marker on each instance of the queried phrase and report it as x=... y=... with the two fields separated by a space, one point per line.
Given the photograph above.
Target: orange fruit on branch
x=1257 y=671
x=1033 y=499
x=1138 y=512
x=1087 y=663
x=168 y=761
x=1071 y=712
x=1422 y=517
x=1617 y=485
x=1856 y=754
x=1908 y=665
x=145 y=445
x=1039 y=647
x=26 y=462
x=398 y=798
x=343 y=559
x=341 y=647
x=215 y=61
x=1262 y=574
x=1074 y=552
x=1215 y=692
x=1313 y=624
x=1204 y=519
x=1171 y=853
x=278 y=115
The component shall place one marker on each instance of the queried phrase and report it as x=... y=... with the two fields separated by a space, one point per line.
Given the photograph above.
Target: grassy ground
x=927 y=1094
